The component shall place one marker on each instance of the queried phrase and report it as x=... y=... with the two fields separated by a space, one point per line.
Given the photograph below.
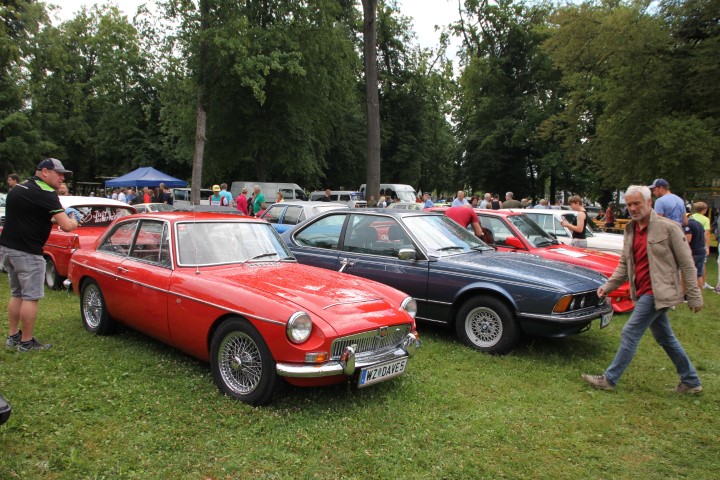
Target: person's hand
x=601 y=293
x=696 y=309
x=73 y=213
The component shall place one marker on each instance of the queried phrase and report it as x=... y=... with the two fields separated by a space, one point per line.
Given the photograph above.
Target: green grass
x=127 y=406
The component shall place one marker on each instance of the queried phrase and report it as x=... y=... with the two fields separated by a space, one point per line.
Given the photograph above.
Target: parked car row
x=336 y=297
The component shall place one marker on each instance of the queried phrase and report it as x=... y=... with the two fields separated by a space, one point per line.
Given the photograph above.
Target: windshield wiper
x=261 y=256
x=444 y=249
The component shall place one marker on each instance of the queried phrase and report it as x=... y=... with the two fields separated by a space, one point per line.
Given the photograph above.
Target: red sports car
x=225 y=289
x=94 y=214
x=513 y=231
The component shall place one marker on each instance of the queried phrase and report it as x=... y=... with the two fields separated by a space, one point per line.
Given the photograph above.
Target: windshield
x=223 y=242
x=531 y=231
x=406 y=196
x=443 y=237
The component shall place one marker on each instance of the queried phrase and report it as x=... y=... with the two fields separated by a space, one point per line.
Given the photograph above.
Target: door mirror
x=407 y=254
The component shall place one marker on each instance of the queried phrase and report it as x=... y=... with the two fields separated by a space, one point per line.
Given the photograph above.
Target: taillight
x=75 y=243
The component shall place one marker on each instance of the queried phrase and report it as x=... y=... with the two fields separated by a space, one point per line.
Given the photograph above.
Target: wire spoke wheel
x=240 y=363
x=92 y=306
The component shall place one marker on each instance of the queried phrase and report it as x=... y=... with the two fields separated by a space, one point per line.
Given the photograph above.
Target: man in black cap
x=31 y=209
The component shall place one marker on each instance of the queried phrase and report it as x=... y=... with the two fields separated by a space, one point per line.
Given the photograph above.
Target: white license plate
x=605 y=319
x=378 y=373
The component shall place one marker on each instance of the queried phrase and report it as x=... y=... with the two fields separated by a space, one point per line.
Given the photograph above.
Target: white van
x=290 y=191
x=352 y=199
x=404 y=192
x=181 y=197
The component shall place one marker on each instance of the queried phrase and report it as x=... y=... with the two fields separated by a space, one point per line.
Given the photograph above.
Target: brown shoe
x=598 y=381
x=683 y=388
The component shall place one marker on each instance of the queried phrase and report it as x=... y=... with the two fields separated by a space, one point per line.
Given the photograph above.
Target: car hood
x=345 y=302
x=529 y=268
x=600 y=262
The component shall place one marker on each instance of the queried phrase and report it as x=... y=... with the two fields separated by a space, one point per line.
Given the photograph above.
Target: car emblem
x=383 y=332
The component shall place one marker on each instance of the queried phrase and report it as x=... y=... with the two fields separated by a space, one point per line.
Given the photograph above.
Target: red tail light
x=75 y=243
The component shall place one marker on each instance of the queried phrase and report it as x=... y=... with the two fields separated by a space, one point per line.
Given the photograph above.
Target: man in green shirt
x=259 y=200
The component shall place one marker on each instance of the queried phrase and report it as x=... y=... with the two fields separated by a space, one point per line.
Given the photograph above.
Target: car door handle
x=122 y=270
x=344 y=263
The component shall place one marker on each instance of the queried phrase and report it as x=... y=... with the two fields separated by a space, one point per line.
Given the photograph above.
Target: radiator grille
x=372 y=341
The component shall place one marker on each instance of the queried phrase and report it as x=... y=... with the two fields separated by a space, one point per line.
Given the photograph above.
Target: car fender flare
x=479 y=289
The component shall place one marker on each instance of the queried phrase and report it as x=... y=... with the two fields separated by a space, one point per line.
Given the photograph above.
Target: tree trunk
x=201 y=114
x=199 y=149
x=372 y=186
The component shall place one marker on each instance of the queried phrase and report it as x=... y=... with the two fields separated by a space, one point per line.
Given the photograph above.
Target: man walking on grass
x=655 y=252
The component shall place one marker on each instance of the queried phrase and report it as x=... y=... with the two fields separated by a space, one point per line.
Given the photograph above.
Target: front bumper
x=562 y=324
x=350 y=361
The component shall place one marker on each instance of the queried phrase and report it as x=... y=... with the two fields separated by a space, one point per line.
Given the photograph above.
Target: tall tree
x=372 y=99
x=639 y=104
x=20 y=141
x=507 y=90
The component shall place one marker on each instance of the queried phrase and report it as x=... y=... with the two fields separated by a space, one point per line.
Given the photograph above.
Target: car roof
x=309 y=203
x=73 y=200
x=184 y=215
x=541 y=211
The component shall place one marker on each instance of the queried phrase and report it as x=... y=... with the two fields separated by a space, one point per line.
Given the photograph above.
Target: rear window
x=100 y=215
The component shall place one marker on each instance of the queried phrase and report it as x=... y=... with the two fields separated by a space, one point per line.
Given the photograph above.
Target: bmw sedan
x=489 y=297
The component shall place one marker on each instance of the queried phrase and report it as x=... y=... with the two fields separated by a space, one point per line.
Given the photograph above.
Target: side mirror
x=407 y=254
x=514 y=242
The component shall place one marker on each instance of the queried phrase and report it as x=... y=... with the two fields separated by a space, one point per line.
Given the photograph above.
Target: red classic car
x=514 y=231
x=94 y=214
x=225 y=289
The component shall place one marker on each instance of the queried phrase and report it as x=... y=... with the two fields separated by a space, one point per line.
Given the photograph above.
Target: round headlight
x=410 y=306
x=299 y=327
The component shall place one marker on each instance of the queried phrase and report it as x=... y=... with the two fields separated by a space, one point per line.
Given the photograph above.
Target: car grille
x=584 y=300
x=372 y=341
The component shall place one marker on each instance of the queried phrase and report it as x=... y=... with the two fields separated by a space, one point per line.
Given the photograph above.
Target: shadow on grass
x=593 y=344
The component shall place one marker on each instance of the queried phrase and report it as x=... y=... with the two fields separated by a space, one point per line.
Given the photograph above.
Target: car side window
x=118 y=241
x=273 y=214
x=375 y=235
x=292 y=215
x=495 y=230
x=148 y=245
x=325 y=233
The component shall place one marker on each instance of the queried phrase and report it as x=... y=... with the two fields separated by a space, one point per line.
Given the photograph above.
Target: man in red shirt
x=465 y=216
x=655 y=286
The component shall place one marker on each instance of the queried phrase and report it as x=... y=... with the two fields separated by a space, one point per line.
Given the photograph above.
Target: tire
x=53 y=281
x=94 y=311
x=242 y=365
x=488 y=325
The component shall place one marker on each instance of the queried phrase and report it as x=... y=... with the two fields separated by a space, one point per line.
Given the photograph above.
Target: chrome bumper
x=349 y=361
x=572 y=316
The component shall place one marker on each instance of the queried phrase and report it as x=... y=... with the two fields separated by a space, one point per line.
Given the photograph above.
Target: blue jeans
x=643 y=317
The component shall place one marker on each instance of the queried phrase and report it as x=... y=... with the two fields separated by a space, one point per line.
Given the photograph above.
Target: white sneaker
x=708 y=286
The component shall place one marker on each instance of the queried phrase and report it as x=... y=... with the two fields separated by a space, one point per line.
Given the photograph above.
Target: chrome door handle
x=122 y=270
x=344 y=263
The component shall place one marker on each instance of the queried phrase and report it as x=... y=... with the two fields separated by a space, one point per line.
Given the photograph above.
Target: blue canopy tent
x=145 y=177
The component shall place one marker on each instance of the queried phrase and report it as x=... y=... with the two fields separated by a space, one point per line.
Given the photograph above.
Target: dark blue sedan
x=456 y=279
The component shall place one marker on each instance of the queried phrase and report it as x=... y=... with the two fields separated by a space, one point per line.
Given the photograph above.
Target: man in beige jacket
x=654 y=255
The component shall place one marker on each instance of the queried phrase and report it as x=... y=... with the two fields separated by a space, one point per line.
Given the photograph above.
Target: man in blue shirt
x=668 y=204
x=427 y=202
x=460 y=199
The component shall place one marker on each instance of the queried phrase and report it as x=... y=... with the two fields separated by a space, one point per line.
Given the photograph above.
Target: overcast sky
x=425 y=14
